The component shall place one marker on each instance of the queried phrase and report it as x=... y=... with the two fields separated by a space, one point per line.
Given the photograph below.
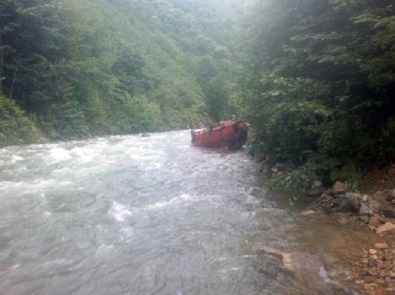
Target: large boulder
x=348 y=202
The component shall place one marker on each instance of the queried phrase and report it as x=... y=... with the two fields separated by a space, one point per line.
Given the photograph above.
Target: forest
x=72 y=69
x=320 y=88
x=315 y=79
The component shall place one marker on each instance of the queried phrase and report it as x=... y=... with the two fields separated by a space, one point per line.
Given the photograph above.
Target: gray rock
x=365 y=210
x=347 y=203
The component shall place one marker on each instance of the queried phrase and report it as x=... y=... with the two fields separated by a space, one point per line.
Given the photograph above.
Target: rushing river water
x=136 y=215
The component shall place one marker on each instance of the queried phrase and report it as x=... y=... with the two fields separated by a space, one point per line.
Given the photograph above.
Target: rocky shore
x=374 y=272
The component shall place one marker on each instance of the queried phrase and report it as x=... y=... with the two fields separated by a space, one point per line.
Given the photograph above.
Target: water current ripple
x=134 y=215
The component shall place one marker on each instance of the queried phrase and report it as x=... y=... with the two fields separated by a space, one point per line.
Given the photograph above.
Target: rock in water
x=295 y=260
x=300 y=263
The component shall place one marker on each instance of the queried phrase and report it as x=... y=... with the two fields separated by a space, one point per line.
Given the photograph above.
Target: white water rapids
x=137 y=215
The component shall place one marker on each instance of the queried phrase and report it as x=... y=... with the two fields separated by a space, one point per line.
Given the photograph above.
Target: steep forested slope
x=76 y=68
x=321 y=86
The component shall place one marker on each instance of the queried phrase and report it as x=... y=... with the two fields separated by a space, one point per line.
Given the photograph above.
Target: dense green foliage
x=321 y=85
x=78 y=68
x=12 y=119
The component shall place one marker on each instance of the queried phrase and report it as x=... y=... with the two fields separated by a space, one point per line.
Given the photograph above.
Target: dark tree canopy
x=321 y=84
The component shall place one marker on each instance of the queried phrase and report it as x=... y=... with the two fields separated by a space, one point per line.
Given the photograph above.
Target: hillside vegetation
x=320 y=88
x=316 y=78
x=79 y=68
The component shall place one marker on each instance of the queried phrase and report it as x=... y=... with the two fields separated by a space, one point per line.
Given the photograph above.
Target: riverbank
x=372 y=208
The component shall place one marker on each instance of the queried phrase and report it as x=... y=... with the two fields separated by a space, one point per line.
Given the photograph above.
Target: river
x=145 y=215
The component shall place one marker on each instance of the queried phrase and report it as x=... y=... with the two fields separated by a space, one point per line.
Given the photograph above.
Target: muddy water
x=134 y=215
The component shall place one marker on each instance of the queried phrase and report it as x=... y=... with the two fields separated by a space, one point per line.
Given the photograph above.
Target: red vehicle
x=228 y=134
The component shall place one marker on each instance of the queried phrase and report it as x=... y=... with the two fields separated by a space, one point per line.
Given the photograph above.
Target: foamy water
x=133 y=215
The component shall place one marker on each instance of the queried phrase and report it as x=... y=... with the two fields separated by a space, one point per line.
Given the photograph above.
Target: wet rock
x=339 y=187
x=386 y=228
x=295 y=260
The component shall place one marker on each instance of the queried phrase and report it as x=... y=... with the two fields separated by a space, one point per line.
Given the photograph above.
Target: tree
x=320 y=82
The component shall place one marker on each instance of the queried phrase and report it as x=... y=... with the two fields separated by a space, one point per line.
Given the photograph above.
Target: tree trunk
x=13 y=81
x=1 y=65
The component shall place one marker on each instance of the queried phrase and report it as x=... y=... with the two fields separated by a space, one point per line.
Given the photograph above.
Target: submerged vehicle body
x=228 y=134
